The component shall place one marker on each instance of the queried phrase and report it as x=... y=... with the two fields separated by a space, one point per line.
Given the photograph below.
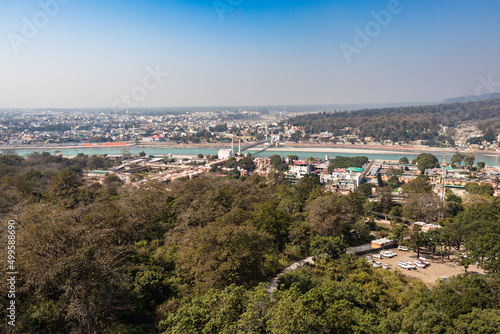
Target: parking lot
x=428 y=275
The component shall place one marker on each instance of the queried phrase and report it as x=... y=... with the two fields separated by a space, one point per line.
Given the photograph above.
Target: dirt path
x=273 y=284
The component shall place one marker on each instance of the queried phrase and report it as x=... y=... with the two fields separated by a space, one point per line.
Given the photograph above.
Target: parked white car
x=386 y=253
x=424 y=260
x=377 y=264
x=377 y=256
x=410 y=265
x=426 y=264
x=419 y=264
x=402 y=264
x=386 y=266
x=403 y=248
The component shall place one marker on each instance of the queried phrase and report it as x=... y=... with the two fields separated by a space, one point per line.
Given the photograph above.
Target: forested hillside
x=195 y=256
x=405 y=123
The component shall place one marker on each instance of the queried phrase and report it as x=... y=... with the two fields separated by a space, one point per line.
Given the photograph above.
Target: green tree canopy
x=419 y=185
x=469 y=159
x=458 y=158
x=404 y=160
x=220 y=254
x=426 y=161
x=484 y=189
x=247 y=163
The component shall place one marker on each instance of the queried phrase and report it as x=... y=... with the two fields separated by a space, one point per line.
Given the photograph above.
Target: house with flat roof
x=382 y=243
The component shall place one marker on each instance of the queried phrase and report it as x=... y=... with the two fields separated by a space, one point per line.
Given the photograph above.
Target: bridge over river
x=252 y=145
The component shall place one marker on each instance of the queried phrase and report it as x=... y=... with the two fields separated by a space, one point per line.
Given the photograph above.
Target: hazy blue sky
x=89 y=53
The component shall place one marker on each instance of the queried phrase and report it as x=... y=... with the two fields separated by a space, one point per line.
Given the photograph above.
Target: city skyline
x=71 y=54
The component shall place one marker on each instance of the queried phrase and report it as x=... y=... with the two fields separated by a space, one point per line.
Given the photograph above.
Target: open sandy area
x=430 y=274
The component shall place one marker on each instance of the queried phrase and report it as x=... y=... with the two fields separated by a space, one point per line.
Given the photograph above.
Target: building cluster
x=75 y=127
x=441 y=178
x=78 y=127
x=340 y=180
x=137 y=171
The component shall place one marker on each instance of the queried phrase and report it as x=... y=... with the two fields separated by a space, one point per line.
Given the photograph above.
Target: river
x=489 y=159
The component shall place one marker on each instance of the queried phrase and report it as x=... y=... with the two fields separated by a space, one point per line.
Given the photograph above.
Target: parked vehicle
x=377 y=264
x=403 y=248
x=377 y=256
x=386 y=253
x=410 y=265
x=443 y=278
x=386 y=266
x=419 y=264
x=424 y=260
x=402 y=264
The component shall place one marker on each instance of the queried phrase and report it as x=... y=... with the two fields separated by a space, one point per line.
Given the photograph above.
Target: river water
x=489 y=159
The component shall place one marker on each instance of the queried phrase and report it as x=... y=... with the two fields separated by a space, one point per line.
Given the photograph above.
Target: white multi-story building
x=225 y=153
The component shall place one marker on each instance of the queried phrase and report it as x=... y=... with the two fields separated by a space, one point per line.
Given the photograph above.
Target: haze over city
x=74 y=54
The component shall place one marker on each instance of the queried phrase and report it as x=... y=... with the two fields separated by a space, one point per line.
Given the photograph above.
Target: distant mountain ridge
x=472 y=98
